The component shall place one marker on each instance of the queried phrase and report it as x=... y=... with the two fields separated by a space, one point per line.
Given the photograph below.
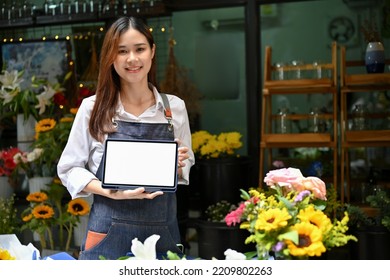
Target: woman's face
x=134 y=57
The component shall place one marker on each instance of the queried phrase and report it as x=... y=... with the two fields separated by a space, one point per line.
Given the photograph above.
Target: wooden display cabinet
x=354 y=79
x=328 y=85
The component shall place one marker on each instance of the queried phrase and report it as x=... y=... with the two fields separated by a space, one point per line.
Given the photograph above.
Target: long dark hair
x=108 y=85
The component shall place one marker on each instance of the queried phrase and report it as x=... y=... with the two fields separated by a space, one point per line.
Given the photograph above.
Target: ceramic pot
x=214 y=238
x=37 y=184
x=375 y=57
x=221 y=179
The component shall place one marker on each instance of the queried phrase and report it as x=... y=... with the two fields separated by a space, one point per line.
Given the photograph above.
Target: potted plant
x=371 y=225
x=38 y=100
x=214 y=236
x=53 y=216
x=219 y=172
x=40 y=164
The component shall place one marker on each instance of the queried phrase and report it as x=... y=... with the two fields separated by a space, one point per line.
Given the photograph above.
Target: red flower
x=7 y=163
x=59 y=98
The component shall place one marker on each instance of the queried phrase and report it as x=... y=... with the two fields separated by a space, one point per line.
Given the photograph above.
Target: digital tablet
x=129 y=164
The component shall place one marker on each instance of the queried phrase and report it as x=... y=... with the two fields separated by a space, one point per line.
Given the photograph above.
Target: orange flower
x=37 y=197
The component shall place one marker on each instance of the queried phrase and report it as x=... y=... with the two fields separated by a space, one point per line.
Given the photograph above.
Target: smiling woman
x=126 y=106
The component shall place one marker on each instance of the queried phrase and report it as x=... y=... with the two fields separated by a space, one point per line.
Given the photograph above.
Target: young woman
x=126 y=105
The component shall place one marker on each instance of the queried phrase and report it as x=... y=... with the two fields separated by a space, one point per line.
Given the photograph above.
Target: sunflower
x=37 y=197
x=315 y=217
x=5 y=255
x=45 y=125
x=310 y=241
x=272 y=219
x=78 y=207
x=43 y=212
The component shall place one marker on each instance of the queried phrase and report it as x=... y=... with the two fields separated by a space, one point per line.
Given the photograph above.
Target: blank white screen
x=140 y=163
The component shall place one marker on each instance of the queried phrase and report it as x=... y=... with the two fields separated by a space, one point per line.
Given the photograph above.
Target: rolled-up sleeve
x=82 y=154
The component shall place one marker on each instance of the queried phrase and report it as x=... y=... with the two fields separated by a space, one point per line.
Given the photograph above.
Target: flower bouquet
x=289 y=222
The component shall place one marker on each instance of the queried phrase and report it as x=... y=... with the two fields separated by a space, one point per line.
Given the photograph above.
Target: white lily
x=10 y=80
x=145 y=251
x=234 y=255
x=44 y=99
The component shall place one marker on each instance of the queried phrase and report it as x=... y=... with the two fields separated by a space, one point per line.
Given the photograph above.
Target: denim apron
x=124 y=220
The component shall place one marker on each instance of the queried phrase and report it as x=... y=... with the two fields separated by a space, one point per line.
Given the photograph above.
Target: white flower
x=234 y=255
x=146 y=251
x=10 y=80
x=10 y=85
x=44 y=99
x=35 y=154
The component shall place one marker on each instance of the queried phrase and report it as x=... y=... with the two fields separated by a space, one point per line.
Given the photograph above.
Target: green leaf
x=245 y=195
x=288 y=203
x=290 y=235
x=173 y=256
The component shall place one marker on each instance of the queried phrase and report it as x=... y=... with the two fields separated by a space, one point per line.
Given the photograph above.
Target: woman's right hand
x=95 y=187
x=138 y=193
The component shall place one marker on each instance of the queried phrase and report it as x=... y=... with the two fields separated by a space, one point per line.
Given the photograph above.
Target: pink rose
x=316 y=186
x=290 y=178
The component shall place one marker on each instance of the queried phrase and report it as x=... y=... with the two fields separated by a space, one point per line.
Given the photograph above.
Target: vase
x=25 y=130
x=221 y=179
x=373 y=243
x=80 y=231
x=214 y=238
x=37 y=184
x=6 y=189
x=375 y=57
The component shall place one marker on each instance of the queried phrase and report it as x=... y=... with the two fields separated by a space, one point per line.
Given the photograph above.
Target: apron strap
x=167 y=110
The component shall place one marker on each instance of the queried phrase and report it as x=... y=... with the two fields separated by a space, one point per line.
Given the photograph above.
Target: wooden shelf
x=270 y=139
x=372 y=136
x=358 y=81
x=367 y=79
x=297 y=139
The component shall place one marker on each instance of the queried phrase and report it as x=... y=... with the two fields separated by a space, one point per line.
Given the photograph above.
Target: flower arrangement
x=50 y=140
x=46 y=212
x=206 y=145
x=290 y=221
x=39 y=100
